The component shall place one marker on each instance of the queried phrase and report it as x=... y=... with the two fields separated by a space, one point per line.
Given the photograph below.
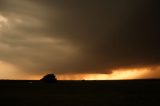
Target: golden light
x=115 y=75
x=3 y=21
x=10 y=71
x=128 y=73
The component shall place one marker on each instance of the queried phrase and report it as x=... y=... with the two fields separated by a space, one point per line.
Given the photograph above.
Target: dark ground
x=80 y=93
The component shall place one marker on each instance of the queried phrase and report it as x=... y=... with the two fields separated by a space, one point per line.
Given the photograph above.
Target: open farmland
x=80 y=93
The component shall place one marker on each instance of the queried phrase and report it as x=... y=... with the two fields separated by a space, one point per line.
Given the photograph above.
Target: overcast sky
x=79 y=36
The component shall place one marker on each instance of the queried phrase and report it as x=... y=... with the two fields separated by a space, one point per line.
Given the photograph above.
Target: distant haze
x=79 y=39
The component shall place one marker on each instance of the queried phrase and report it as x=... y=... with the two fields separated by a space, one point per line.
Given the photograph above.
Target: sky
x=79 y=39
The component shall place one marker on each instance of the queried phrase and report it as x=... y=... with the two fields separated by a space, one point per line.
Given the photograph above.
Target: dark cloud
x=80 y=36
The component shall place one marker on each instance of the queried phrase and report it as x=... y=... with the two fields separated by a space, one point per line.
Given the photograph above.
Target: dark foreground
x=80 y=93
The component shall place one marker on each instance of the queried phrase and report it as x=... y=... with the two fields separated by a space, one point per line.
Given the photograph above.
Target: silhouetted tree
x=49 y=78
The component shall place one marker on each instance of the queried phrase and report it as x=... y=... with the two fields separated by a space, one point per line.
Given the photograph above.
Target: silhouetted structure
x=49 y=78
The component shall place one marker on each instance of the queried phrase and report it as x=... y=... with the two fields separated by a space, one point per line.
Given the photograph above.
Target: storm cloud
x=79 y=36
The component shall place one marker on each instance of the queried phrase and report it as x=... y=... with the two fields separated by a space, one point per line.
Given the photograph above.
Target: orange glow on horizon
x=10 y=71
x=115 y=75
x=119 y=74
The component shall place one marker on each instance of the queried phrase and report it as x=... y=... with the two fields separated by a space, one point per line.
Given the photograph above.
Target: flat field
x=80 y=93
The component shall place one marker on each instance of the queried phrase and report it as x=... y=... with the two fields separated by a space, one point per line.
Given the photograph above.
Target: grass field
x=80 y=93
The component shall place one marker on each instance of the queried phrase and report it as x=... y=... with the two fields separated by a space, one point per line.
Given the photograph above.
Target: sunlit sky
x=79 y=39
